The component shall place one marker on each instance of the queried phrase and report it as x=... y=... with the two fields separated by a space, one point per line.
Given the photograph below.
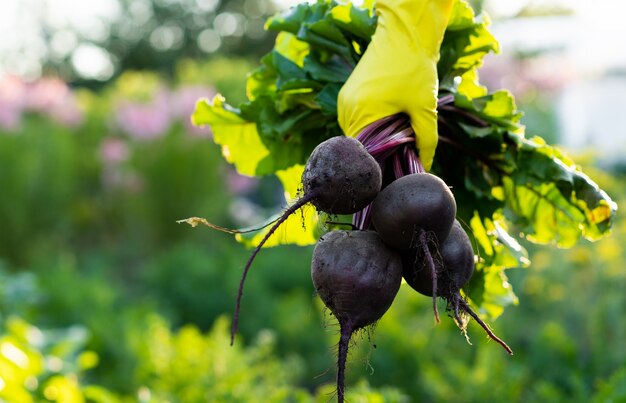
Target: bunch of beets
x=404 y=226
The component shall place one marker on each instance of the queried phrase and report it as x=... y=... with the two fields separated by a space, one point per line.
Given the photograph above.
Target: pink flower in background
x=10 y=116
x=145 y=120
x=46 y=94
x=113 y=151
x=67 y=112
x=50 y=96
x=53 y=97
x=184 y=103
x=239 y=184
x=12 y=100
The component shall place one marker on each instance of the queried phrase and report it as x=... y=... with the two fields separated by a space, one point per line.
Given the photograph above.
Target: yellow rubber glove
x=398 y=72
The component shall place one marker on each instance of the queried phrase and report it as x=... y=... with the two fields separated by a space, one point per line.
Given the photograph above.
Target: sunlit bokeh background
x=104 y=298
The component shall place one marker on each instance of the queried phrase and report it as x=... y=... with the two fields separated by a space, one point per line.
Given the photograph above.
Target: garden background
x=105 y=298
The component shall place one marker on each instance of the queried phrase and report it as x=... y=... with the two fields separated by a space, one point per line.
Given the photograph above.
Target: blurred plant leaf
x=497 y=108
x=612 y=389
x=357 y=21
x=291 y=47
x=241 y=144
x=551 y=200
x=489 y=288
x=50 y=364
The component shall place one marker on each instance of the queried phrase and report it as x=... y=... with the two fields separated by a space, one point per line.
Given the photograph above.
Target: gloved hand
x=398 y=72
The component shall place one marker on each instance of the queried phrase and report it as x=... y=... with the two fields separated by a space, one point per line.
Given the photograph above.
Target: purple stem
x=383 y=131
x=389 y=138
x=446 y=99
x=413 y=162
x=468 y=115
x=377 y=127
x=387 y=146
x=398 y=171
x=363 y=219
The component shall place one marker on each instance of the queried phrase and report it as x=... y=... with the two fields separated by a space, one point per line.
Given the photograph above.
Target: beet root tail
x=342 y=356
x=464 y=305
x=430 y=265
x=292 y=209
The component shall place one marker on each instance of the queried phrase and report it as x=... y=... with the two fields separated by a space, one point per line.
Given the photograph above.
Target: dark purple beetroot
x=412 y=204
x=357 y=277
x=458 y=266
x=340 y=177
x=449 y=275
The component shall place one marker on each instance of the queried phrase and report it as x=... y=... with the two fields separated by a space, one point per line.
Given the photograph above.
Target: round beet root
x=458 y=265
x=357 y=277
x=412 y=204
x=342 y=175
x=446 y=277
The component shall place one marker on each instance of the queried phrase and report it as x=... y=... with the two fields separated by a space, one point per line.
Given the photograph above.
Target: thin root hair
x=329 y=320
x=195 y=221
x=463 y=305
x=331 y=395
x=369 y=330
x=423 y=240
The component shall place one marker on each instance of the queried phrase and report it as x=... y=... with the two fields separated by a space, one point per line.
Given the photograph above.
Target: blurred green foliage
x=155 y=35
x=104 y=298
x=47 y=365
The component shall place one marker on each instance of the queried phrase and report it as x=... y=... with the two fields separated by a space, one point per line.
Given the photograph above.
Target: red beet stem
x=413 y=162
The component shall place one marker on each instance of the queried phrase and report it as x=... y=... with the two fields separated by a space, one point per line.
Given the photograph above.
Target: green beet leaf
x=359 y=22
x=240 y=141
x=466 y=42
x=551 y=200
x=489 y=288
